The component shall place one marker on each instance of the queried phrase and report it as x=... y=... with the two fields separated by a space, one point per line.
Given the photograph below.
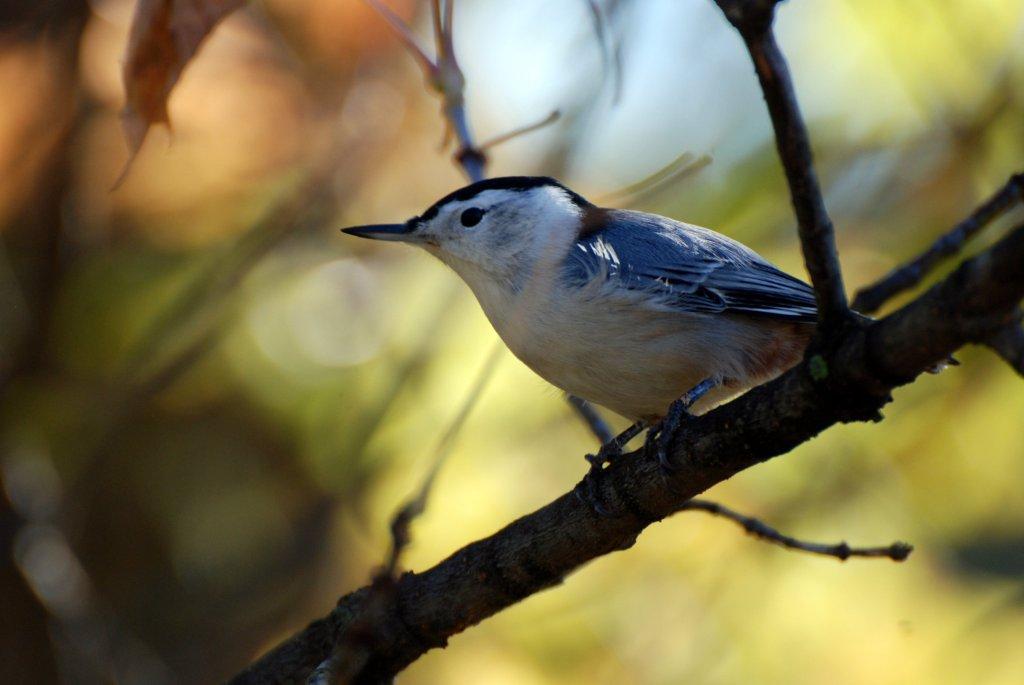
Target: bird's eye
x=472 y=216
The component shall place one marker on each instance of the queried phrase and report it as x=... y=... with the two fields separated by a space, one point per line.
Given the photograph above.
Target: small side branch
x=417 y=504
x=444 y=76
x=351 y=652
x=909 y=275
x=897 y=551
x=753 y=19
x=521 y=131
x=681 y=167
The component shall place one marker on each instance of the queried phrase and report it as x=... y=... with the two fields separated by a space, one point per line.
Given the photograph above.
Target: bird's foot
x=661 y=436
x=590 y=492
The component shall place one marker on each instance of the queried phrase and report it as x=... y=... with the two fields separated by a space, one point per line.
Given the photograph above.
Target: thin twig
x=436 y=18
x=446 y=33
x=417 y=504
x=444 y=77
x=405 y=35
x=349 y=656
x=679 y=168
x=522 y=130
x=897 y=551
x=909 y=275
x=753 y=19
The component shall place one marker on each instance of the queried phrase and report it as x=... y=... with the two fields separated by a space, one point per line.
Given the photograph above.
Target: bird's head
x=500 y=227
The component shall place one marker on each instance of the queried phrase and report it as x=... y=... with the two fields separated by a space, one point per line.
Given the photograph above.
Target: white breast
x=609 y=347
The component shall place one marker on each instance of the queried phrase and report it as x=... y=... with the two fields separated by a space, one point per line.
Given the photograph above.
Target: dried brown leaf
x=164 y=36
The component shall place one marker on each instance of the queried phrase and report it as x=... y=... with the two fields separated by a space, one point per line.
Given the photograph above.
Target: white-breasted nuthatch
x=625 y=309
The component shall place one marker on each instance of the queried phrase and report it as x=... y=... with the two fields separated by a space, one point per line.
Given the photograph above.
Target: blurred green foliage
x=219 y=402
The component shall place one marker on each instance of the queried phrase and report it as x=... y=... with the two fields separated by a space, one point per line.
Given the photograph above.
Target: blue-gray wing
x=685 y=267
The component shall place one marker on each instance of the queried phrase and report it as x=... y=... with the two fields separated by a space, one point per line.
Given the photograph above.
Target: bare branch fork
x=849 y=379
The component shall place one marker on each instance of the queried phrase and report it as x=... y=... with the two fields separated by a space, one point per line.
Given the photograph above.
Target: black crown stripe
x=500 y=183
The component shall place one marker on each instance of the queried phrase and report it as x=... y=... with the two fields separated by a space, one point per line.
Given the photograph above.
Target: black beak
x=382 y=231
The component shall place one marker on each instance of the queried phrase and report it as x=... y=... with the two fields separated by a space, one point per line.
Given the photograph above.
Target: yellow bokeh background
x=229 y=399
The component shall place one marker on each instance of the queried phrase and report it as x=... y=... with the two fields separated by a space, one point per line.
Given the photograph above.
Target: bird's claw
x=664 y=464
x=661 y=436
x=590 y=493
x=611 y=450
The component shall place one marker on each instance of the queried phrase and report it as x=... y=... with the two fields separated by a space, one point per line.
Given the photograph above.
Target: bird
x=653 y=318
x=625 y=309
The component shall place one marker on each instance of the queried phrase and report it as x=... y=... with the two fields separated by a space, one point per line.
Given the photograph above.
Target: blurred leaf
x=165 y=35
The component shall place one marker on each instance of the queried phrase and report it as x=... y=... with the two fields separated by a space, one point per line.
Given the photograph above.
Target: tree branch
x=897 y=551
x=753 y=20
x=850 y=381
x=1008 y=343
x=909 y=275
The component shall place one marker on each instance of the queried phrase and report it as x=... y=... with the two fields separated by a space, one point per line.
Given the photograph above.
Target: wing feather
x=687 y=267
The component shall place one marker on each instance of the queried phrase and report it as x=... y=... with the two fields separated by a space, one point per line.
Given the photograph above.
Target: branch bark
x=848 y=381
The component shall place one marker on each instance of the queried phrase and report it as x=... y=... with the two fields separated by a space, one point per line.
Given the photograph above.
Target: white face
x=497 y=233
x=500 y=232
